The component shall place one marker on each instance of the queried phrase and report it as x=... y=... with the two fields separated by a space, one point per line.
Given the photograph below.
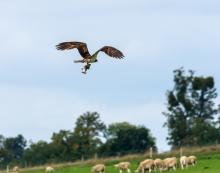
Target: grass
x=208 y=162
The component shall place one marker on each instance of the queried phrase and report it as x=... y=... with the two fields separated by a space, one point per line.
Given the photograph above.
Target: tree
x=124 y=138
x=191 y=110
x=14 y=147
x=38 y=153
x=63 y=145
x=3 y=153
x=204 y=93
x=1 y=141
x=88 y=130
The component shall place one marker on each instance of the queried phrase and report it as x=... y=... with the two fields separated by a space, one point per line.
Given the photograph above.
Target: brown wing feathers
x=112 y=52
x=82 y=48
x=66 y=46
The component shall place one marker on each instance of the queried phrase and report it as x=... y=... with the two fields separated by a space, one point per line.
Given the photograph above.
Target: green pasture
x=206 y=164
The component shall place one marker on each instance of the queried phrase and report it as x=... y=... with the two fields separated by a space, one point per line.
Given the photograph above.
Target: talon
x=83 y=70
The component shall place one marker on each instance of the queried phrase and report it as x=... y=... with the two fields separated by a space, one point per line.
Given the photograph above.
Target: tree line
x=192 y=119
x=90 y=138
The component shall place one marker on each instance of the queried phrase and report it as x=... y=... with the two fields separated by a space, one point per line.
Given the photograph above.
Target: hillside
x=208 y=162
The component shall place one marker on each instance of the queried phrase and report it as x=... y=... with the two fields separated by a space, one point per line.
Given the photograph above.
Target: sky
x=42 y=91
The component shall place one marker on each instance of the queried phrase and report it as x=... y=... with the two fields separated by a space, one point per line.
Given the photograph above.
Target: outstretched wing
x=112 y=52
x=82 y=48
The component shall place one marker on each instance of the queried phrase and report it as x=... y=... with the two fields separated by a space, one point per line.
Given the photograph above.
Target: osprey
x=84 y=52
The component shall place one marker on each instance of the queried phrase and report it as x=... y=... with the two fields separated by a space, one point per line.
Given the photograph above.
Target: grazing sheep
x=99 y=168
x=158 y=164
x=147 y=164
x=123 y=166
x=170 y=163
x=49 y=169
x=192 y=160
x=15 y=169
x=184 y=161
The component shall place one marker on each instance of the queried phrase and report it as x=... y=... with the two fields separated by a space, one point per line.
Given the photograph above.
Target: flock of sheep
x=146 y=165
x=16 y=169
x=150 y=165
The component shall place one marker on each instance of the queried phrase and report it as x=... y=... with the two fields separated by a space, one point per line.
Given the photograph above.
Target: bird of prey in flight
x=87 y=58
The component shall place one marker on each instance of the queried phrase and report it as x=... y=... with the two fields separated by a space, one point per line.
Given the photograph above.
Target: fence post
x=151 y=152
x=7 y=169
x=95 y=156
x=25 y=164
x=181 y=151
x=82 y=158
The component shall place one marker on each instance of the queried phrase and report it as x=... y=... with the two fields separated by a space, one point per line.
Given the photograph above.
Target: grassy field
x=208 y=163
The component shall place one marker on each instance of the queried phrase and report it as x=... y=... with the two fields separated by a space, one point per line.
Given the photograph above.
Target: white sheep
x=123 y=166
x=170 y=163
x=147 y=164
x=158 y=164
x=49 y=169
x=192 y=160
x=184 y=161
x=99 y=168
x=15 y=169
